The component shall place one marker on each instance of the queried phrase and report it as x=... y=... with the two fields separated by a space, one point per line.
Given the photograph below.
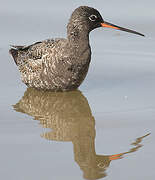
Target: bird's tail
x=14 y=53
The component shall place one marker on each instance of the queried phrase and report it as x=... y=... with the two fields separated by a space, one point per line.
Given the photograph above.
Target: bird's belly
x=66 y=77
x=58 y=75
x=78 y=73
x=67 y=74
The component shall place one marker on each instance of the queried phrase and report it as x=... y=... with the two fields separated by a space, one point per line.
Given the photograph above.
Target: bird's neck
x=77 y=35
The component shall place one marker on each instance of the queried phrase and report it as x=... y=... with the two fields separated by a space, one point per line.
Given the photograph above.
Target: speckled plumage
x=46 y=65
x=60 y=64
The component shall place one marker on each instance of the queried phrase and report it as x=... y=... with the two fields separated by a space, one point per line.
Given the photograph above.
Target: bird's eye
x=93 y=17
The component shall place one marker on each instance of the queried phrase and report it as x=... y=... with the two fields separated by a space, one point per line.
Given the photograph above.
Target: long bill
x=109 y=25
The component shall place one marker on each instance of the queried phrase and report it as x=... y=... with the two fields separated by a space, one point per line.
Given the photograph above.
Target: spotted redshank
x=61 y=64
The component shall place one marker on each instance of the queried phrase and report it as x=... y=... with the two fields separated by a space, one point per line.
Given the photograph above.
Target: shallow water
x=105 y=130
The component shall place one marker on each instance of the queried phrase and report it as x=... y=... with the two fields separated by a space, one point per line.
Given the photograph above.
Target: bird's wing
x=34 y=52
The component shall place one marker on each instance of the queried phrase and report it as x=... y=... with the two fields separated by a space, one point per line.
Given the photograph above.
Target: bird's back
x=24 y=54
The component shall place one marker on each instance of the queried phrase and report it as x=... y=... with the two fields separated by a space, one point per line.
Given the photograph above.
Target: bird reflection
x=69 y=116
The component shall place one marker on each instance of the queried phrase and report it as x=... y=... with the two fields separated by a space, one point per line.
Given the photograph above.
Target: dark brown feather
x=14 y=53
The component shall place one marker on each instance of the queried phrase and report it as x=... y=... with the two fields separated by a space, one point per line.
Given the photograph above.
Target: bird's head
x=85 y=19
